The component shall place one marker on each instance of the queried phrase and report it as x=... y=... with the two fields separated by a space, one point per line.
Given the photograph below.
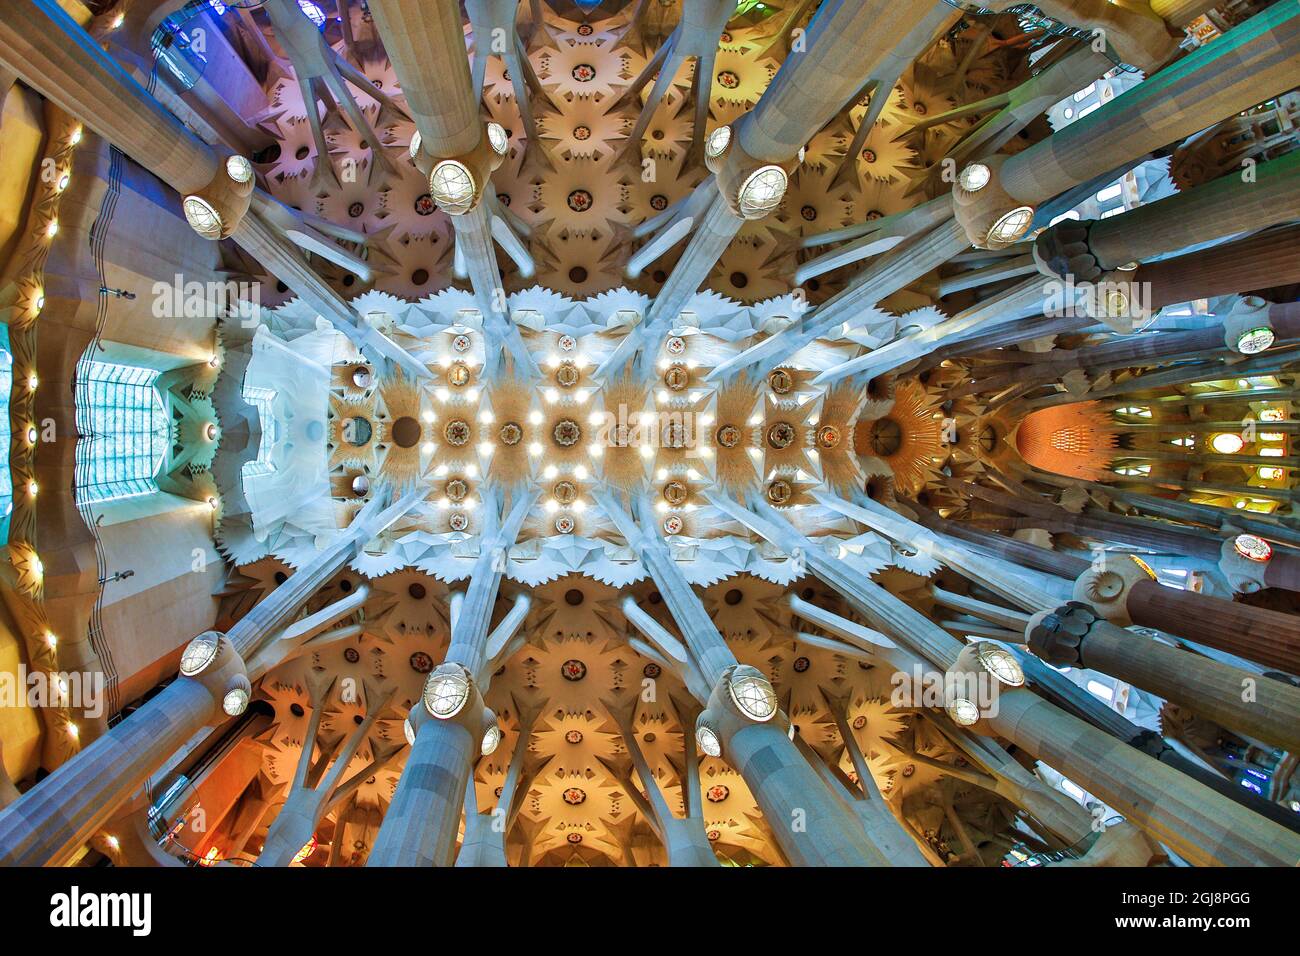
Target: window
x=123 y=431
x=261 y=398
x=1132 y=470
x=1101 y=690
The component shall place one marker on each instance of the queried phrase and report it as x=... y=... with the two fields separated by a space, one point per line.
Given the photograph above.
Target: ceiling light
x=762 y=192
x=446 y=690
x=451 y=185
x=752 y=693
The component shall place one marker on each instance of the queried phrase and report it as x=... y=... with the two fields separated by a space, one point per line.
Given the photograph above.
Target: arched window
x=123 y=431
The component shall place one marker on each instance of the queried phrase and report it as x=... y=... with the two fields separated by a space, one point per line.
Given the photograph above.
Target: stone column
x=321 y=73
x=1269 y=637
x=1207 y=686
x=308 y=800
x=486 y=833
x=59 y=59
x=1280 y=568
x=904 y=264
x=696 y=36
x=56 y=57
x=1252 y=62
x=1221 y=208
x=883 y=828
x=50 y=822
x=684 y=840
x=1197 y=823
x=1261 y=261
x=845 y=42
x=1076 y=636
x=426 y=44
x=423 y=818
x=811 y=826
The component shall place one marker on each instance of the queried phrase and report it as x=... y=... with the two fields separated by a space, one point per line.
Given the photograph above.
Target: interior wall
x=149 y=617
x=22 y=131
x=20 y=728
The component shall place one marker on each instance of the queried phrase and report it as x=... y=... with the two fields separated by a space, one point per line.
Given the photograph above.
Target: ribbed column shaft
x=420 y=825
x=847 y=41
x=56 y=57
x=1201 y=826
x=1224 y=207
x=811 y=825
x=1255 y=633
x=50 y=822
x=425 y=41
x=1250 y=63
x=1207 y=687
x=1261 y=261
x=709 y=240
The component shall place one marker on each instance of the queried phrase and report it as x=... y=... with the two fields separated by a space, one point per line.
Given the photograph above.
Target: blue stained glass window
x=123 y=431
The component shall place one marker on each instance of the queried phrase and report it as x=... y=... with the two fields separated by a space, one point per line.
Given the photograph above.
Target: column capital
x=1105 y=587
x=212 y=661
x=215 y=211
x=990 y=216
x=750 y=187
x=741 y=697
x=1243 y=559
x=456 y=183
x=1056 y=636
x=452 y=695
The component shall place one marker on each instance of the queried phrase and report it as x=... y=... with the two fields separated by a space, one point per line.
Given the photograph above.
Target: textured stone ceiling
x=580 y=191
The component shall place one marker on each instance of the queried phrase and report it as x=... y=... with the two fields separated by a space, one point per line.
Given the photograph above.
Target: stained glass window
x=123 y=431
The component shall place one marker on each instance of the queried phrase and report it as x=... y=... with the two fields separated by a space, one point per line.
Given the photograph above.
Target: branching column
x=485 y=833
x=846 y=40
x=314 y=791
x=51 y=821
x=1197 y=823
x=57 y=57
x=422 y=821
x=685 y=842
x=426 y=44
x=812 y=827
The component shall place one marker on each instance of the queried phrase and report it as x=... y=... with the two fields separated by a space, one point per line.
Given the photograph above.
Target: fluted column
x=1255 y=633
x=846 y=40
x=1223 y=207
x=684 y=840
x=878 y=820
x=426 y=44
x=308 y=801
x=901 y=265
x=56 y=57
x=1261 y=261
